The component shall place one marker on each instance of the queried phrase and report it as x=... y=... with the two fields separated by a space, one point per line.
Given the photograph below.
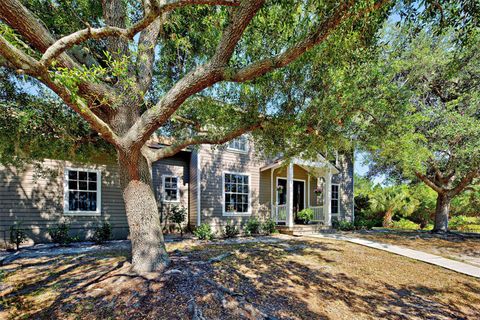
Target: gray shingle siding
x=34 y=197
x=178 y=166
x=345 y=180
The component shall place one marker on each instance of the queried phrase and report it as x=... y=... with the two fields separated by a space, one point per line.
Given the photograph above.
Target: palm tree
x=389 y=200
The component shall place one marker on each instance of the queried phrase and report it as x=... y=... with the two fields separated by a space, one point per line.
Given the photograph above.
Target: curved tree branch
x=261 y=67
x=80 y=36
x=215 y=70
x=195 y=81
x=171 y=150
x=26 y=24
x=29 y=65
x=467 y=180
x=429 y=183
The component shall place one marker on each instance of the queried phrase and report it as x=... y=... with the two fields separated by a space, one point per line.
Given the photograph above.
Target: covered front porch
x=299 y=185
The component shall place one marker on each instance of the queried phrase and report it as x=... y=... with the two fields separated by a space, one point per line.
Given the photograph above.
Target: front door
x=298 y=198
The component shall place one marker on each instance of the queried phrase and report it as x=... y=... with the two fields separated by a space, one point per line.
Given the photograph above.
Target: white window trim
x=235 y=150
x=163 y=189
x=337 y=215
x=66 y=211
x=237 y=214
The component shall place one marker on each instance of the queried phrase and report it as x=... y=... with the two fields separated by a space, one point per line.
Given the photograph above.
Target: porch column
x=272 y=204
x=308 y=192
x=290 y=195
x=327 y=203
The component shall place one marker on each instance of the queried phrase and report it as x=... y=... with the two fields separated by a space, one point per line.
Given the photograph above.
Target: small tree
x=177 y=216
x=390 y=200
x=17 y=235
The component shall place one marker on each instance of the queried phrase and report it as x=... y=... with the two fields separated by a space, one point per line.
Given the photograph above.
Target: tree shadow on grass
x=287 y=282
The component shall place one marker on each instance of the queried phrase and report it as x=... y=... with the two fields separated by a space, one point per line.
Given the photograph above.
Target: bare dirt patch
x=291 y=279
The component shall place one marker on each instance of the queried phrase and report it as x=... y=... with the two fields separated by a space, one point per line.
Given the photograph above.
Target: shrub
x=203 y=232
x=252 y=226
x=17 y=235
x=472 y=228
x=345 y=225
x=102 y=233
x=306 y=215
x=230 y=230
x=269 y=226
x=177 y=216
x=335 y=223
x=405 y=224
x=365 y=224
x=460 y=222
x=59 y=234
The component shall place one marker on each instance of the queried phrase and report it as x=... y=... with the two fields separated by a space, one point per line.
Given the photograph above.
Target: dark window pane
x=245 y=199
x=92 y=201
x=82 y=185
x=171 y=195
x=92 y=176
x=72 y=185
x=82 y=175
x=245 y=208
x=92 y=186
x=83 y=201
x=72 y=175
x=227 y=178
x=72 y=201
x=334 y=206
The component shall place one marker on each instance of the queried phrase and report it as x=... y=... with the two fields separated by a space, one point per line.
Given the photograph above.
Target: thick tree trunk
x=148 y=248
x=441 y=213
x=387 y=219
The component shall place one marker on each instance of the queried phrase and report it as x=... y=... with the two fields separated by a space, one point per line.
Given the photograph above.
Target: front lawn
x=452 y=246
x=289 y=278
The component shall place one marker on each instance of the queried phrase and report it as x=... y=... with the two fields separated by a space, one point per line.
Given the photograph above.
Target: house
x=215 y=184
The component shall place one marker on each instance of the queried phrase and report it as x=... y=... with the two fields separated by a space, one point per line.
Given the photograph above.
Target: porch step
x=300 y=229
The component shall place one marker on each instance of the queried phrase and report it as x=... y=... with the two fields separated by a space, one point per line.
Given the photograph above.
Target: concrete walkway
x=450 y=264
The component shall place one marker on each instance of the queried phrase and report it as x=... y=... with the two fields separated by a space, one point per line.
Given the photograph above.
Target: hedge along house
x=216 y=185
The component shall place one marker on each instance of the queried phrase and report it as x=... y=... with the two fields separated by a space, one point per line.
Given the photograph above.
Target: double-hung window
x=170 y=189
x=82 y=191
x=236 y=192
x=335 y=203
x=239 y=144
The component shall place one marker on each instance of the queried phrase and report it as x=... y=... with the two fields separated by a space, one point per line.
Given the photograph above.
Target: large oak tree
x=425 y=125
x=199 y=71
x=187 y=67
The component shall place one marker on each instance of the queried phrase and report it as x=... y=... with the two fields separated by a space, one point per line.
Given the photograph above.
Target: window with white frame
x=236 y=191
x=335 y=202
x=170 y=189
x=82 y=191
x=239 y=144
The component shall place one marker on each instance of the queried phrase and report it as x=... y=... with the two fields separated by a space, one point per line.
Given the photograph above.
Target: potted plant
x=318 y=190
x=280 y=188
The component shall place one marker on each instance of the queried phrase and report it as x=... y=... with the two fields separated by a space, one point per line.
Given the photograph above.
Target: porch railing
x=279 y=213
x=318 y=215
